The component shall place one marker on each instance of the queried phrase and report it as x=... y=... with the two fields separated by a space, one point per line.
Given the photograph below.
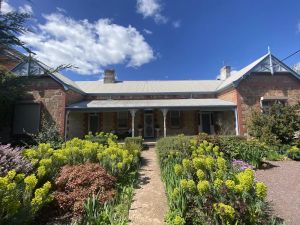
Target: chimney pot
x=225 y=72
x=109 y=76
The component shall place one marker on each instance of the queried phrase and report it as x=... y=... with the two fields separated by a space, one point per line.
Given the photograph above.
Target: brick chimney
x=109 y=76
x=225 y=72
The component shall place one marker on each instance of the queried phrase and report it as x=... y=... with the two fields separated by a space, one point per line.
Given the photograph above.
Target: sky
x=159 y=39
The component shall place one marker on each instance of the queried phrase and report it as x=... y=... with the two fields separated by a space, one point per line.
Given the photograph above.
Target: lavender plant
x=12 y=158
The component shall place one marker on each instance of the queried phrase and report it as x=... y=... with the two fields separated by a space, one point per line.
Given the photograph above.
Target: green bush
x=294 y=153
x=134 y=140
x=251 y=151
x=22 y=197
x=48 y=133
x=278 y=125
x=101 y=137
x=203 y=188
x=178 y=143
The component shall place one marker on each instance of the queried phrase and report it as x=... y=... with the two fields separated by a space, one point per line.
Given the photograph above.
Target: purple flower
x=240 y=165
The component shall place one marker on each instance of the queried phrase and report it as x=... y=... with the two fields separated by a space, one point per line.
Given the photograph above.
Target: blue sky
x=167 y=39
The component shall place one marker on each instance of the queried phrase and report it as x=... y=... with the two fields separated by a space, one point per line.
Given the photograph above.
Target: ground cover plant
x=203 y=187
x=102 y=168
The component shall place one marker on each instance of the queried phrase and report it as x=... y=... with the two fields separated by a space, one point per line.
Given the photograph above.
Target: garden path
x=149 y=203
x=283 y=181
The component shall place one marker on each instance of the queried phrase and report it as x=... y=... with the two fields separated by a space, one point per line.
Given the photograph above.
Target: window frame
x=118 y=119
x=271 y=101
x=178 y=125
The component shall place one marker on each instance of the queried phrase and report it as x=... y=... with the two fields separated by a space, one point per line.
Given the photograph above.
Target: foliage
x=12 y=158
x=294 y=153
x=12 y=24
x=251 y=151
x=11 y=88
x=75 y=183
x=134 y=141
x=203 y=188
x=48 y=133
x=101 y=137
x=173 y=144
x=21 y=197
x=113 y=212
x=276 y=126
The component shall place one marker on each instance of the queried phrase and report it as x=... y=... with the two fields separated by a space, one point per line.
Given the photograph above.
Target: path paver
x=283 y=181
x=149 y=203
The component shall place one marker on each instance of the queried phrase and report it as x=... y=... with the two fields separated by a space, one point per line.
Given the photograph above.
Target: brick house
x=152 y=108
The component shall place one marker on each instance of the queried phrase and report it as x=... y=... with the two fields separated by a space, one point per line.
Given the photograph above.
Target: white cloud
x=61 y=10
x=148 y=31
x=26 y=9
x=151 y=8
x=89 y=46
x=176 y=24
x=6 y=7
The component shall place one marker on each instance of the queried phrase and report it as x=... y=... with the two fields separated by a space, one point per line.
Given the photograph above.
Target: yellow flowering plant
x=210 y=173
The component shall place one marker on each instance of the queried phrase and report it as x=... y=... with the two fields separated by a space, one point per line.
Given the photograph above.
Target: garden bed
x=100 y=192
x=204 y=188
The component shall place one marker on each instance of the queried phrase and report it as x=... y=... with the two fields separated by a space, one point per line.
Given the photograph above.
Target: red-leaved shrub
x=75 y=183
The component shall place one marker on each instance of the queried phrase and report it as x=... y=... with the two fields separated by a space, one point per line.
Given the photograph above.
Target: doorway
x=148 y=125
x=206 y=122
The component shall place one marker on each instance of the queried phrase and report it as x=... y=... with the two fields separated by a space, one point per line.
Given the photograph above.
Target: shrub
x=174 y=144
x=203 y=188
x=48 y=133
x=101 y=138
x=12 y=159
x=21 y=197
x=134 y=140
x=75 y=183
x=278 y=125
x=251 y=151
x=294 y=153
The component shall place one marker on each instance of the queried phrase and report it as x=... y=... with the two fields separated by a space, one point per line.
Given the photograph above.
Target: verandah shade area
x=151 y=118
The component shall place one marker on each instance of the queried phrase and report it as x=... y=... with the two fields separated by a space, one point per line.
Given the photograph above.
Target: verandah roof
x=152 y=103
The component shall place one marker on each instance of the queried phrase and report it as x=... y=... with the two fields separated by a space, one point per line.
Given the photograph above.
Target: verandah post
x=165 y=112
x=132 y=112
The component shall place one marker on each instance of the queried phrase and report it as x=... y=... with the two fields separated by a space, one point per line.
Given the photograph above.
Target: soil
x=283 y=181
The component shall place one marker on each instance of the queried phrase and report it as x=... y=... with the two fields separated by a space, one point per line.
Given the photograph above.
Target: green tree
x=277 y=125
x=11 y=88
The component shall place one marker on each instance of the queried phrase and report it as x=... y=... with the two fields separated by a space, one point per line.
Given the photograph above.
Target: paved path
x=283 y=181
x=149 y=203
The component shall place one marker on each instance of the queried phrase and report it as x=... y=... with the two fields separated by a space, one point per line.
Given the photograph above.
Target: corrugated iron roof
x=153 y=103
x=149 y=87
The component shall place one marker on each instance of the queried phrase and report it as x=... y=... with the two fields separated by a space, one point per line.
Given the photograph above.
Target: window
x=175 y=119
x=123 y=119
x=267 y=102
x=26 y=118
x=93 y=123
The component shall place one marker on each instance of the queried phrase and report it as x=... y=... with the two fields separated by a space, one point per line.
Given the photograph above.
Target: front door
x=148 y=125
x=205 y=122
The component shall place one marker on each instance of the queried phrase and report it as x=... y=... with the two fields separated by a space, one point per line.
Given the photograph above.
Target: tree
x=277 y=125
x=12 y=24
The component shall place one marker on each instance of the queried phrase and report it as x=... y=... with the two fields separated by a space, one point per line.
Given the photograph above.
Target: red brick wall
x=72 y=97
x=258 y=85
x=52 y=97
